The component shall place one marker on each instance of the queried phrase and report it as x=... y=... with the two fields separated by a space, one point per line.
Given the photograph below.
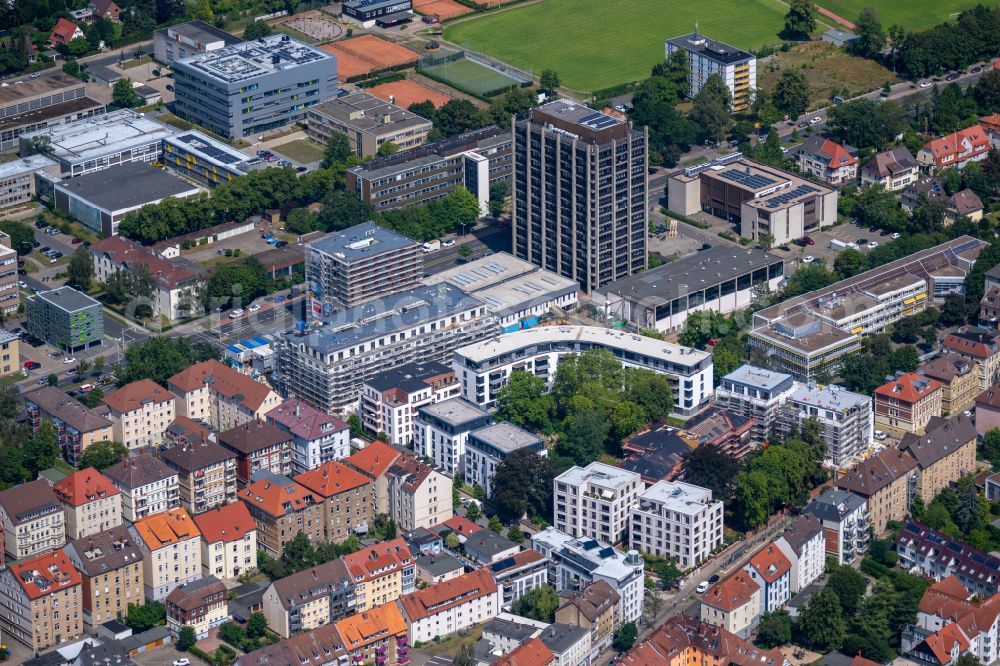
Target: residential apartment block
x=571 y=238
x=368 y=122
x=892 y=169
x=77 y=426
x=317 y=438
x=377 y=635
x=734 y=604
x=756 y=393
x=451 y=606
x=772 y=571
x=206 y=473
x=141 y=412
x=944 y=453
x=346 y=497
x=846 y=418
x=706 y=57
x=441 y=432
x=200 y=604
x=955 y=150
x=938 y=556
x=676 y=520
x=827 y=160
x=228 y=541
x=33 y=520
x=595 y=609
x=887 y=481
x=389 y=401
x=91 y=502
x=596 y=501
x=220 y=396
x=946 y=614
x=374 y=462
x=488 y=447
x=980 y=345
x=959 y=379
x=805 y=547
x=906 y=404
x=361 y=264
x=171 y=548
x=381 y=573
x=846 y=523
x=281 y=509
x=258 y=446
x=40 y=601
x=309 y=599
x=517 y=575
x=419 y=496
x=110 y=564
x=683 y=637
x=10 y=354
x=148 y=486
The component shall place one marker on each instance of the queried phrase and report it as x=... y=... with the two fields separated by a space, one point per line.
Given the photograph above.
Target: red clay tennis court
x=445 y=9
x=405 y=93
x=368 y=53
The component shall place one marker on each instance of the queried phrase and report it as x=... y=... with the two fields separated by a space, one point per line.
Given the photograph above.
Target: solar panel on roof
x=209 y=149
x=752 y=180
x=954 y=547
x=590 y=544
x=607 y=552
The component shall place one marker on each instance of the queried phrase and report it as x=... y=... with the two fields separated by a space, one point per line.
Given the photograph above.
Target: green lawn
x=301 y=150
x=913 y=15
x=594 y=45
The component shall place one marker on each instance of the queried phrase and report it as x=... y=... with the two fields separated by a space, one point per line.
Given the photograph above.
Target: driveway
x=163 y=656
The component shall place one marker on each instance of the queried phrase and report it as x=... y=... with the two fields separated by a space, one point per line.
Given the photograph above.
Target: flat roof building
x=18 y=179
x=847 y=419
x=368 y=122
x=490 y=446
x=360 y=264
x=250 y=88
x=205 y=160
x=514 y=290
x=664 y=515
x=760 y=200
x=595 y=501
x=92 y=144
x=706 y=57
x=720 y=278
x=385 y=13
x=102 y=199
x=66 y=318
x=183 y=40
x=484 y=367
x=30 y=105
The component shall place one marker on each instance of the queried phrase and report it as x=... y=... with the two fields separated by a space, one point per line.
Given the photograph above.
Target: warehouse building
x=205 y=160
x=706 y=57
x=250 y=88
x=102 y=199
x=720 y=279
x=368 y=122
x=31 y=105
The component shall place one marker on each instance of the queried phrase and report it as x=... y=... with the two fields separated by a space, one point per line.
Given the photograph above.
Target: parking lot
x=822 y=250
x=163 y=656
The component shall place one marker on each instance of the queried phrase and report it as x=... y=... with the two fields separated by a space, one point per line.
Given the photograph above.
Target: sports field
x=912 y=15
x=471 y=76
x=594 y=45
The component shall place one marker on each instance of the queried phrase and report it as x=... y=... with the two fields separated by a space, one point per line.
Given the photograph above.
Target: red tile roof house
x=65 y=32
x=827 y=160
x=770 y=569
x=892 y=169
x=949 y=603
x=955 y=150
x=105 y=9
x=991 y=125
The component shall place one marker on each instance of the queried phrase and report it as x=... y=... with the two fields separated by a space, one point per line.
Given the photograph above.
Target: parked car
x=236 y=314
x=170 y=88
x=31 y=365
x=872 y=245
x=22 y=284
x=77 y=241
x=861 y=242
x=41 y=224
x=808 y=240
x=279 y=299
x=448 y=243
x=281 y=243
x=44 y=249
x=808 y=259
x=895 y=235
x=713 y=579
x=880 y=436
x=253 y=308
x=926 y=84
x=702 y=587
x=816 y=121
x=21 y=271
x=952 y=77
x=69 y=360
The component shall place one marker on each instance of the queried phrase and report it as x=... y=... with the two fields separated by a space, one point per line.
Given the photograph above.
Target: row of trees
x=975 y=36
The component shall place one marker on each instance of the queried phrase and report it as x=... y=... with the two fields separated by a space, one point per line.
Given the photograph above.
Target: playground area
x=404 y=93
x=315 y=25
x=444 y=9
x=367 y=53
x=468 y=75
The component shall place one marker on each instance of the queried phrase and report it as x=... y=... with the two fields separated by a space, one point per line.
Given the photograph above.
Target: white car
x=253 y=308
x=183 y=661
x=69 y=360
x=880 y=436
x=808 y=259
x=236 y=314
x=816 y=121
x=926 y=84
x=872 y=245
x=448 y=243
x=702 y=587
x=22 y=284
x=895 y=235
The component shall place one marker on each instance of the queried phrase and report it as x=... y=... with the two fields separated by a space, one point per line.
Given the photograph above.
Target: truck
x=430 y=246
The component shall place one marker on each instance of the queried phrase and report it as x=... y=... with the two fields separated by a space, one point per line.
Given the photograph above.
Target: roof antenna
x=696 y=27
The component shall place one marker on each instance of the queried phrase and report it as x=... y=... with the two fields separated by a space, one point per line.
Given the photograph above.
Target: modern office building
x=184 y=40
x=102 y=199
x=847 y=419
x=205 y=160
x=360 y=264
x=595 y=502
x=580 y=194
x=441 y=432
x=576 y=563
x=250 y=88
x=815 y=331
x=676 y=520
x=30 y=105
x=719 y=279
x=66 y=318
x=368 y=122
x=104 y=141
x=485 y=367
x=706 y=57
x=389 y=401
x=516 y=292
x=760 y=201
x=328 y=362
x=475 y=160
x=18 y=179
x=490 y=446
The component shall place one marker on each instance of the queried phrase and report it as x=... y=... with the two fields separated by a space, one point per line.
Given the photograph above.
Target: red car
x=31 y=365
x=809 y=241
x=77 y=241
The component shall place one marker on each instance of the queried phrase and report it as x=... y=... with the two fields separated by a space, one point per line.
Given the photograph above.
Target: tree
x=515 y=534
x=103 y=454
x=354 y=422
x=849 y=263
x=124 y=95
x=800 y=21
x=473 y=512
x=711 y=109
x=452 y=542
x=709 y=467
x=821 y=622
x=904 y=359
x=53 y=379
x=549 y=81
x=80 y=270
x=387 y=148
x=299 y=552
x=257 y=625
x=525 y=401
x=256 y=30
x=954 y=312
x=21 y=236
x=42 y=450
x=775 y=629
x=523 y=484
x=143 y=617
x=159 y=358
x=495 y=524
x=991 y=446
x=905 y=331
x=538 y=604
x=458 y=116
x=625 y=637
x=791 y=94
x=465 y=657
x=338 y=150
x=498 y=196
x=752 y=498
x=186 y=638
x=584 y=437
x=848 y=585
x=871 y=37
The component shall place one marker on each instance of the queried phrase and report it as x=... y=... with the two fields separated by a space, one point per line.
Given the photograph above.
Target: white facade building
x=758 y=393
x=487 y=447
x=441 y=431
x=389 y=401
x=845 y=521
x=485 y=367
x=847 y=418
x=706 y=57
x=317 y=438
x=449 y=607
x=596 y=501
x=677 y=520
x=805 y=548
